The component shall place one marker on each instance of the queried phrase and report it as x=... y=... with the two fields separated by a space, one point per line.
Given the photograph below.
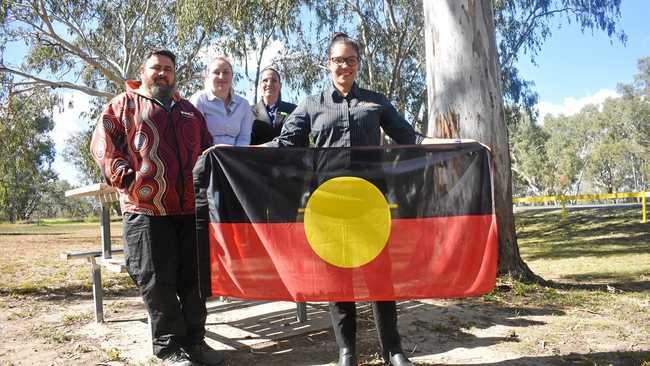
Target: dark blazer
x=263 y=131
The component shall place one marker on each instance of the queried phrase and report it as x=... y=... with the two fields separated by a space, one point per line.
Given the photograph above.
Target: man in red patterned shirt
x=146 y=145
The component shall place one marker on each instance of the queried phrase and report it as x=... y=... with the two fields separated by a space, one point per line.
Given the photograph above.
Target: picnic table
x=104 y=257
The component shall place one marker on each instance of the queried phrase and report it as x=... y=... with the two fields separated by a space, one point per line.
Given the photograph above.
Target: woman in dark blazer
x=270 y=112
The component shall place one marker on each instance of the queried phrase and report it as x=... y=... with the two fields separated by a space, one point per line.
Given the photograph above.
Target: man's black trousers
x=161 y=258
x=344 y=322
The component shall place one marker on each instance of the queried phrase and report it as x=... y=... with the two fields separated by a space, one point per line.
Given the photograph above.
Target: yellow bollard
x=644 y=210
x=565 y=212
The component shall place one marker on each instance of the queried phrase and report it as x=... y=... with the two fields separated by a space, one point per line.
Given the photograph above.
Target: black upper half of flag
x=253 y=184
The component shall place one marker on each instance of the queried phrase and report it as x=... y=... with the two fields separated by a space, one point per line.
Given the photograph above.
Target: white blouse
x=230 y=124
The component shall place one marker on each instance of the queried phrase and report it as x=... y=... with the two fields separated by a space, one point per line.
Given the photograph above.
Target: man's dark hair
x=340 y=37
x=161 y=52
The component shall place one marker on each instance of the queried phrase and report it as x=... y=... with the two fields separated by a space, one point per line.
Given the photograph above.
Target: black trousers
x=344 y=322
x=161 y=258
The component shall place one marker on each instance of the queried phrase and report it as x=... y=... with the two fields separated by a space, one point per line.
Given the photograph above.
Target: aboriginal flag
x=346 y=224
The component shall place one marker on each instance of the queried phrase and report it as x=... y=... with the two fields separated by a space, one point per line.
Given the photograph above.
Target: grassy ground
x=592 y=245
x=596 y=311
x=30 y=260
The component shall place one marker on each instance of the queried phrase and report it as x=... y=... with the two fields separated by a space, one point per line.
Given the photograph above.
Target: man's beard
x=163 y=93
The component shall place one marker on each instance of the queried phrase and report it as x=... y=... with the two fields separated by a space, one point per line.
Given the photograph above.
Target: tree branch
x=74 y=49
x=77 y=30
x=366 y=43
x=265 y=42
x=529 y=26
x=138 y=45
x=528 y=180
x=58 y=84
x=391 y=13
x=195 y=51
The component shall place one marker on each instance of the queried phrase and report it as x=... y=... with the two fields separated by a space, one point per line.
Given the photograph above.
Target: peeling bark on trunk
x=465 y=101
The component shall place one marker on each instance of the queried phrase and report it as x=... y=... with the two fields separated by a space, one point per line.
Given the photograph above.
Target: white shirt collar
x=211 y=97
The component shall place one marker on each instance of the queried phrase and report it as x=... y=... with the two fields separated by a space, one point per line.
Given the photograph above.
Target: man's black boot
x=204 y=354
x=347 y=357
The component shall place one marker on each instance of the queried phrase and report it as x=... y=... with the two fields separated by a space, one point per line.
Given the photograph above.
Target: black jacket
x=263 y=131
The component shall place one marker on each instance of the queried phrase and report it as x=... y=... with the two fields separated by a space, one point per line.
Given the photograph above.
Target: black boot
x=399 y=359
x=347 y=357
x=204 y=354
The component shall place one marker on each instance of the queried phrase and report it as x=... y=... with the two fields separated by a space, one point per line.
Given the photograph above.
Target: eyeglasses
x=350 y=61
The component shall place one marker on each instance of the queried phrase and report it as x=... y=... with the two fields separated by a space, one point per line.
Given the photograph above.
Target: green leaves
x=603 y=149
x=523 y=26
x=45 y=58
x=391 y=39
x=94 y=45
x=25 y=172
x=77 y=152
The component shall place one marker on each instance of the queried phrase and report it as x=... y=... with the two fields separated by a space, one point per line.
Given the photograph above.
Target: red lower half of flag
x=435 y=257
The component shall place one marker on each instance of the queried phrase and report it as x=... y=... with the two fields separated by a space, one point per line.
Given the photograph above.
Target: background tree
x=523 y=27
x=94 y=46
x=25 y=172
x=567 y=148
x=636 y=105
x=73 y=152
x=54 y=203
x=617 y=154
x=600 y=149
x=392 y=49
x=391 y=34
x=532 y=169
x=273 y=22
x=465 y=100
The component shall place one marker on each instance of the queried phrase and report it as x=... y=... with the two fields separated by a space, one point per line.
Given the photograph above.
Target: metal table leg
x=98 y=293
x=301 y=312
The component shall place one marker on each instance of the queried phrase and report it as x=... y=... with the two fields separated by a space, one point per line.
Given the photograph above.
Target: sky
x=573 y=69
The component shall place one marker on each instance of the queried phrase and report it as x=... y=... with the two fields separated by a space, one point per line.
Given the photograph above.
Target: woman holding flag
x=345 y=115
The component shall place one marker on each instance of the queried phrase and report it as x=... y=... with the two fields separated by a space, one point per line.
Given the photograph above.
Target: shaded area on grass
x=610 y=286
x=594 y=247
x=546 y=230
x=68 y=292
x=597 y=249
x=578 y=359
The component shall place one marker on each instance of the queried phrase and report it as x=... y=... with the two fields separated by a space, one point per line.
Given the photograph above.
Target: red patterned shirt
x=148 y=152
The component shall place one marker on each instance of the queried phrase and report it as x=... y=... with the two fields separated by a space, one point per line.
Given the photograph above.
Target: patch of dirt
x=39 y=331
x=46 y=319
x=36 y=331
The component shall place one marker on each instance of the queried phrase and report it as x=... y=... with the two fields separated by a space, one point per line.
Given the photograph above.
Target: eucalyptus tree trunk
x=465 y=101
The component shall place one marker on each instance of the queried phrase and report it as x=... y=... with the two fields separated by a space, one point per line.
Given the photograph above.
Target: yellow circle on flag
x=347 y=221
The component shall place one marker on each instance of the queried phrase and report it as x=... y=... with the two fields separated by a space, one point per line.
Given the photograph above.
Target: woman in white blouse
x=229 y=116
